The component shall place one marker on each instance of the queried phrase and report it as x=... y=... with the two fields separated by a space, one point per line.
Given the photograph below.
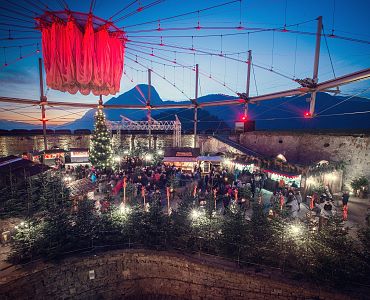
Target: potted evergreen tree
x=360 y=186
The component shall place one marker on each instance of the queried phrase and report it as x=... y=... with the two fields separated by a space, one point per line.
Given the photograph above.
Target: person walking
x=345 y=199
x=282 y=200
x=253 y=188
x=299 y=199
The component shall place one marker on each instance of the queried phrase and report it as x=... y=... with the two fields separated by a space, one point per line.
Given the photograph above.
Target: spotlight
x=307 y=114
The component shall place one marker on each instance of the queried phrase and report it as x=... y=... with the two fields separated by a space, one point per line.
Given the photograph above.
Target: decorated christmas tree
x=101 y=143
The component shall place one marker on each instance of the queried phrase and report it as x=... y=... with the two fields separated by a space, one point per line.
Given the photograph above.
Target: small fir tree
x=234 y=239
x=86 y=224
x=101 y=145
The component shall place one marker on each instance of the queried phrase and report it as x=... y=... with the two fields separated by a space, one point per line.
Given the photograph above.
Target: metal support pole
x=149 y=112
x=100 y=106
x=196 y=104
x=248 y=83
x=43 y=102
x=316 y=64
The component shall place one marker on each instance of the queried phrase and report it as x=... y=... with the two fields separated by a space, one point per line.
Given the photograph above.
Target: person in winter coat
x=299 y=199
x=345 y=198
x=292 y=202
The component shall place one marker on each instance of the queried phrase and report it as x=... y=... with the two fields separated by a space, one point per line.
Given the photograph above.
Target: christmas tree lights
x=101 y=153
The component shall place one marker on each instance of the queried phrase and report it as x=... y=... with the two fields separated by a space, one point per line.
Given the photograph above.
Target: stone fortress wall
x=309 y=148
x=141 y=274
x=303 y=148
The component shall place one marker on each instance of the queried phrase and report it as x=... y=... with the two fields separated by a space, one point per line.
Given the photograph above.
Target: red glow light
x=307 y=114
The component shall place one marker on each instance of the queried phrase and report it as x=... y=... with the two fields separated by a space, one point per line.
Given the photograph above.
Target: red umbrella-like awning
x=81 y=53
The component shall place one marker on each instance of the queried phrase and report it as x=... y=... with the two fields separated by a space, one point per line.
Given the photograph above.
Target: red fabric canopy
x=89 y=61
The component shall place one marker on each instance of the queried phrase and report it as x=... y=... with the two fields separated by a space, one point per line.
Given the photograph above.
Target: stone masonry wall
x=139 y=274
x=210 y=144
x=307 y=148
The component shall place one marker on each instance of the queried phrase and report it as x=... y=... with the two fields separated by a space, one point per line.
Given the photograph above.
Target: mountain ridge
x=278 y=114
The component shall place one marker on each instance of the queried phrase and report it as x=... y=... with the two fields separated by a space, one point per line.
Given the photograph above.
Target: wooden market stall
x=53 y=157
x=207 y=162
x=184 y=158
x=77 y=156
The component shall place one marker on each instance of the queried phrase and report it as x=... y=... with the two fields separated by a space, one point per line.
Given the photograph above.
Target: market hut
x=33 y=155
x=324 y=174
x=78 y=155
x=53 y=157
x=279 y=178
x=184 y=157
x=15 y=169
x=207 y=162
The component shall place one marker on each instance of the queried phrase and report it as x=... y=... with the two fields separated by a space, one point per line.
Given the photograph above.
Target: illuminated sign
x=53 y=155
x=80 y=154
x=182 y=154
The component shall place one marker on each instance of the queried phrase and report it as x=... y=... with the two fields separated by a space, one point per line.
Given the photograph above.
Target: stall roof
x=78 y=149
x=53 y=151
x=20 y=165
x=180 y=159
x=210 y=158
x=7 y=159
x=182 y=152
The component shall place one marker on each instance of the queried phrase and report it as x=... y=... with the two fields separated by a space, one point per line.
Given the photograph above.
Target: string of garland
x=321 y=169
x=289 y=168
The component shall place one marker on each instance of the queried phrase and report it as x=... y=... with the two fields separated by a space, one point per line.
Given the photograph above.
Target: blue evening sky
x=289 y=53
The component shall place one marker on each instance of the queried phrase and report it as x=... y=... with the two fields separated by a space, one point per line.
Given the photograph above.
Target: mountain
x=8 y=125
x=135 y=96
x=282 y=113
x=331 y=112
x=207 y=121
x=278 y=114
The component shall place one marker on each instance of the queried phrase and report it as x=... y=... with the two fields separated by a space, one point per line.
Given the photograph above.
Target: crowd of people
x=159 y=182
x=156 y=182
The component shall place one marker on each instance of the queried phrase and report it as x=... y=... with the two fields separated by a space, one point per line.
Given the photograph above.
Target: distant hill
x=8 y=125
x=278 y=114
x=186 y=116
